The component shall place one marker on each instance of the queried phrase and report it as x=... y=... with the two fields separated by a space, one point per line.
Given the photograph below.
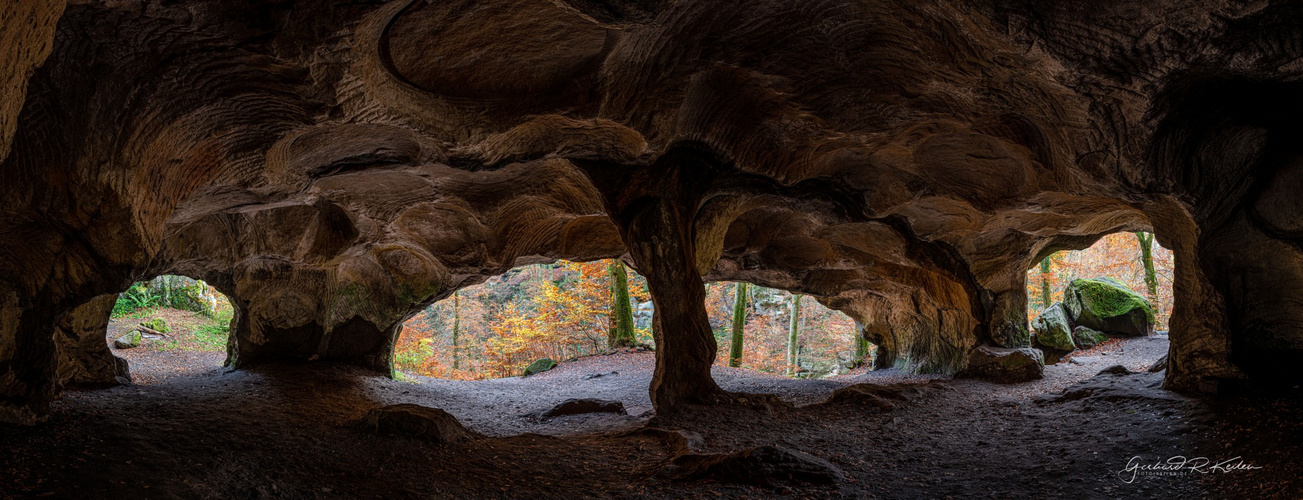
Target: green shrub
x=137 y=297
x=177 y=292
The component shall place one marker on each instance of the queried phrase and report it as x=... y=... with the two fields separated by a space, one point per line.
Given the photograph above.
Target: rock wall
x=26 y=36
x=333 y=167
x=84 y=356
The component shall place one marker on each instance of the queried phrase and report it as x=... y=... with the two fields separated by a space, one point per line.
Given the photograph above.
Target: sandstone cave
x=334 y=169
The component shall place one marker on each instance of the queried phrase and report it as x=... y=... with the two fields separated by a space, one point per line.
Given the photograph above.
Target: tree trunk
x=610 y=315
x=621 y=311
x=456 y=330
x=793 y=330
x=1045 y=283
x=739 y=324
x=1147 y=260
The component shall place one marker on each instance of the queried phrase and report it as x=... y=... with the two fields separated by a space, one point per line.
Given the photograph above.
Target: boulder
x=539 y=366
x=1004 y=365
x=763 y=466
x=1108 y=306
x=587 y=405
x=1086 y=337
x=409 y=420
x=157 y=324
x=881 y=396
x=128 y=341
x=1054 y=330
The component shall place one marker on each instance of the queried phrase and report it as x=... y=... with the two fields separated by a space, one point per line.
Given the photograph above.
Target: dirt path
x=293 y=432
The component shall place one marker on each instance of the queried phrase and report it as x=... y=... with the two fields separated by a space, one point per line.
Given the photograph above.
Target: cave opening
x=535 y=316
x=170 y=326
x=1087 y=301
x=532 y=315
x=782 y=333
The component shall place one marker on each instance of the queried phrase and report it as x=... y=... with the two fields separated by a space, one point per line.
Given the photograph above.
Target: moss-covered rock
x=539 y=366
x=1086 y=337
x=128 y=341
x=1108 y=306
x=157 y=324
x=1053 y=329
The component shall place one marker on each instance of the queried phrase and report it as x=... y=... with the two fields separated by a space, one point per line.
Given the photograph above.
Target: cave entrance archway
x=564 y=310
x=170 y=326
x=1118 y=261
x=827 y=342
x=495 y=329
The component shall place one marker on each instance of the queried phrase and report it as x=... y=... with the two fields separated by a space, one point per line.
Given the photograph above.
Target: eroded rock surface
x=333 y=167
x=84 y=355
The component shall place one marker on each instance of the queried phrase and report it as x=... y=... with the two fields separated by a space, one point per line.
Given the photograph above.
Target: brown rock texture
x=334 y=167
x=84 y=356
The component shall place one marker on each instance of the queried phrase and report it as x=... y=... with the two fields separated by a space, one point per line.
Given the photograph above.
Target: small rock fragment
x=587 y=405
x=599 y=375
x=1116 y=370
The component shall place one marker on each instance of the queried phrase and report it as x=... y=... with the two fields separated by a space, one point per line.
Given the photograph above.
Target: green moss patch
x=1106 y=305
x=540 y=366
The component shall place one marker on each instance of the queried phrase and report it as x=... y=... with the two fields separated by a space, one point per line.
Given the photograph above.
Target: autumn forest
x=564 y=310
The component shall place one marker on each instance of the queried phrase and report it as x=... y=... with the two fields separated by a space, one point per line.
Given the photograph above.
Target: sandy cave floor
x=188 y=429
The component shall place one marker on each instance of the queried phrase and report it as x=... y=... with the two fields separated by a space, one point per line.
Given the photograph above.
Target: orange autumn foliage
x=561 y=311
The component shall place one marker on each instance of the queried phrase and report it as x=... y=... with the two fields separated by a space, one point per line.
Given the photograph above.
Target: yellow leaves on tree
x=562 y=311
x=569 y=319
